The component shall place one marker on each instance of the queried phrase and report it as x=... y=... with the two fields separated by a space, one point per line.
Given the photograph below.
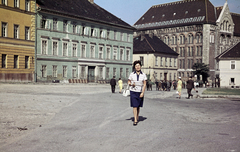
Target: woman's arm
x=143 y=89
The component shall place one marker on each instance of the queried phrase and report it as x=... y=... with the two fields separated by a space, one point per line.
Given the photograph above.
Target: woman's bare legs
x=136 y=111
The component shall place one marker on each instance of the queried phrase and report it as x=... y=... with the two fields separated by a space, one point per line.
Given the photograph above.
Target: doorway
x=91 y=74
x=165 y=76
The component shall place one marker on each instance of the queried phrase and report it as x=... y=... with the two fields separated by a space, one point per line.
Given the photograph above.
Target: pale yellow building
x=17 y=40
x=157 y=59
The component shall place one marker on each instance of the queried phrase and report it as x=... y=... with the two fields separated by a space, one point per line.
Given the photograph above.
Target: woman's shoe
x=135 y=123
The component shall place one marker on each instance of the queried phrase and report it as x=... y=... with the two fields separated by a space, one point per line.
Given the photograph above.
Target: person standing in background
x=120 y=83
x=190 y=86
x=113 y=84
x=179 y=87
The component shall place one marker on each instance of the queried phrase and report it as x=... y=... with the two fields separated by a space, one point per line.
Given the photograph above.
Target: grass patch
x=221 y=91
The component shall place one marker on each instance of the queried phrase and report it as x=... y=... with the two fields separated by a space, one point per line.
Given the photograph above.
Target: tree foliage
x=201 y=69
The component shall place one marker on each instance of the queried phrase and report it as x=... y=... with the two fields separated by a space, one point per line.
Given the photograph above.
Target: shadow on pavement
x=141 y=118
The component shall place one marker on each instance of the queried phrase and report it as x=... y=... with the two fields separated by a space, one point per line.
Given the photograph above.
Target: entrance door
x=165 y=76
x=91 y=75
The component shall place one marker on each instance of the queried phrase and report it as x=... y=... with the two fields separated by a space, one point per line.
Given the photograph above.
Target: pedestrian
x=137 y=82
x=168 y=86
x=190 y=86
x=160 y=85
x=113 y=84
x=120 y=84
x=179 y=87
x=156 y=82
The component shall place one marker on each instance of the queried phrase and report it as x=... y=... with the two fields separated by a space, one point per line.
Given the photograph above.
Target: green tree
x=201 y=69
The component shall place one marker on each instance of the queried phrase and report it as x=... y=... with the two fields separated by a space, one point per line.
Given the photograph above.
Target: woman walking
x=137 y=83
x=120 y=83
x=179 y=87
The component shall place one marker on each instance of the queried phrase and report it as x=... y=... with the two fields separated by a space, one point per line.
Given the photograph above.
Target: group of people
x=164 y=85
x=137 y=81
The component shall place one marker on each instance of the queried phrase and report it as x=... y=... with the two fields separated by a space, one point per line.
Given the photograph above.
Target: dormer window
x=163 y=15
x=174 y=14
x=186 y=12
x=199 y=10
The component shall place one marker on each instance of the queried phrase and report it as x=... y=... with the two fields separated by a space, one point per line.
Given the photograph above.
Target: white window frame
x=16 y=3
x=74 y=28
x=107 y=72
x=46 y=51
x=128 y=37
x=53 y=48
x=4 y=2
x=44 y=71
x=128 y=55
x=64 y=71
x=64 y=52
x=55 y=24
x=83 y=71
x=92 y=51
x=54 y=71
x=100 y=52
x=27 y=5
x=156 y=60
x=74 y=49
x=74 y=72
x=65 y=25
x=121 y=54
x=83 y=53
x=16 y=31
x=114 y=72
x=27 y=33
x=115 y=52
x=108 y=55
x=4 y=29
x=232 y=62
x=175 y=62
x=122 y=36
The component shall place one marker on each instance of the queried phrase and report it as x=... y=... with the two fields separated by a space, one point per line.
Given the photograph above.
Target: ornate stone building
x=195 y=29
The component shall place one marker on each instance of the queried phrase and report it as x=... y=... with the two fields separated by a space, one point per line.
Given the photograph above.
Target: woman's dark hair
x=119 y=78
x=137 y=62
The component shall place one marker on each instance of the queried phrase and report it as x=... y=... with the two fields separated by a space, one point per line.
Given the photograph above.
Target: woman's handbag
x=126 y=92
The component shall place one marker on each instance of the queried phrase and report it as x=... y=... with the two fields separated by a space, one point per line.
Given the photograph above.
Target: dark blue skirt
x=135 y=99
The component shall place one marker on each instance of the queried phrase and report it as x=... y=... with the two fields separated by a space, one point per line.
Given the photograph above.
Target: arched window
x=182 y=39
x=199 y=37
x=229 y=28
x=174 y=39
x=190 y=38
x=221 y=26
x=224 y=24
x=166 y=40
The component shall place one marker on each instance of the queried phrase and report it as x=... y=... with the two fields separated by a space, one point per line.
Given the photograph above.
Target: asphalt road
x=103 y=122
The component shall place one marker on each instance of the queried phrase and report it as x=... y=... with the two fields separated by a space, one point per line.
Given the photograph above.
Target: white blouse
x=138 y=80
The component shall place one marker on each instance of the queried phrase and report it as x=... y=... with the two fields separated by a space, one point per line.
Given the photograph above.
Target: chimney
x=142 y=36
x=91 y=1
x=151 y=35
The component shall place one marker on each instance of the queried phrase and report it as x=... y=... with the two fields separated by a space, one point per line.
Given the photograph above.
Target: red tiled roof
x=232 y=52
x=82 y=9
x=151 y=45
x=178 y=13
x=236 y=21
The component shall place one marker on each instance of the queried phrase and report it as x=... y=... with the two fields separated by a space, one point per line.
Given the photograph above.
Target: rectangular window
x=232 y=81
x=4 y=29
x=65 y=23
x=180 y=64
x=128 y=37
x=55 y=48
x=183 y=64
x=107 y=72
x=74 y=28
x=92 y=53
x=156 y=61
x=44 y=71
x=44 y=22
x=170 y=62
x=100 y=55
x=114 y=71
x=55 y=24
x=64 y=71
x=233 y=66
x=200 y=51
x=26 y=62
x=16 y=31
x=188 y=51
x=4 y=2
x=15 y=61
x=191 y=63
x=142 y=60
x=128 y=55
x=108 y=53
x=27 y=33
x=65 y=49
x=121 y=54
x=166 y=62
x=175 y=62
x=108 y=34
x=191 y=51
x=122 y=37
x=115 y=53
x=16 y=3
x=27 y=5
x=83 y=55
x=188 y=63
x=82 y=71
x=74 y=49
x=127 y=72
x=161 y=62
x=160 y=76
x=121 y=72
x=4 y=61
x=54 y=71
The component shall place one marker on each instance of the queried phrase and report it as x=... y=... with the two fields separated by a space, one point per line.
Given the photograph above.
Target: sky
x=131 y=10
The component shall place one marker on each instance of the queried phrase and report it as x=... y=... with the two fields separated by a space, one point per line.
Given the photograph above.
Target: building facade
x=196 y=30
x=158 y=60
x=17 y=40
x=82 y=42
x=229 y=67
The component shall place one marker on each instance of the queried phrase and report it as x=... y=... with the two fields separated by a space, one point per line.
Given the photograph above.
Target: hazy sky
x=131 y=10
